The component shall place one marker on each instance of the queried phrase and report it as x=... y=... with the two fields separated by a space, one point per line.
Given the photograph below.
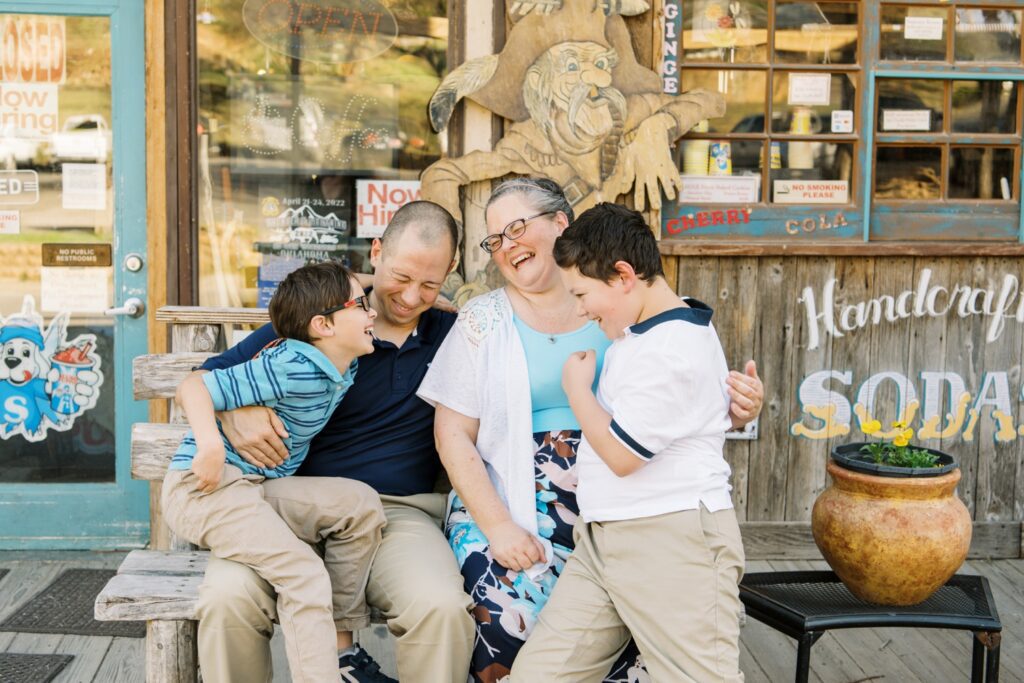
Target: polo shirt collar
x=698 y=313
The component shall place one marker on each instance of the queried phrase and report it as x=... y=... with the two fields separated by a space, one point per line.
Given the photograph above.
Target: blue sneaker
x=359 y=667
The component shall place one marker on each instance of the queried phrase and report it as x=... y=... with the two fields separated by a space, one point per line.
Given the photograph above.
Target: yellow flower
x=898 y=424
x=901 y=439
x=907 y=434
x=870 y=427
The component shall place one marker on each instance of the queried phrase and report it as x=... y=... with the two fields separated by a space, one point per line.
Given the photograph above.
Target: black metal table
x=804 y=605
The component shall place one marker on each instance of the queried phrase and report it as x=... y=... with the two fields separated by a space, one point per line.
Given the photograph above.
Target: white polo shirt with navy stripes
x=663 y=383
x=295 y=379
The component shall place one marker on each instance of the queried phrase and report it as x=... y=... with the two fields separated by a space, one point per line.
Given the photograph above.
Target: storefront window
x=312 y=128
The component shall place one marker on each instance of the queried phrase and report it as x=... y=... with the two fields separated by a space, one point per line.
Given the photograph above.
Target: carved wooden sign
x=585 y=113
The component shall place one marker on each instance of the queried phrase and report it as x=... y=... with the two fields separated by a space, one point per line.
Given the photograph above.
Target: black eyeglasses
x=513 y=231
x=362 y=302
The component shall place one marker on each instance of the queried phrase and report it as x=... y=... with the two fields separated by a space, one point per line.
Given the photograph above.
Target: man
x=381 y=434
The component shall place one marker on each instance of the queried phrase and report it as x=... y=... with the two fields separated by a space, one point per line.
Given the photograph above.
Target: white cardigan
x=480 y=371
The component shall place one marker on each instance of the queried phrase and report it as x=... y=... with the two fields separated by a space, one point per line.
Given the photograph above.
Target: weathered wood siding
x=760 y=314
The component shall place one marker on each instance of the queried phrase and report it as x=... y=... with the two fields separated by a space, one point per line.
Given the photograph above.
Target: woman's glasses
x=362 y=301
x=512 y=231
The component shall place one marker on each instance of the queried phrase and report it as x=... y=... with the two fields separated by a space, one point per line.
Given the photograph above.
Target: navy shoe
x=359 y=667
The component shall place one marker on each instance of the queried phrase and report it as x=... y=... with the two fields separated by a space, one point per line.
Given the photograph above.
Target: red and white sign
x=10 y=222
x=378 y=200
x=811 y=191
x=29 y=110
x=32 y=49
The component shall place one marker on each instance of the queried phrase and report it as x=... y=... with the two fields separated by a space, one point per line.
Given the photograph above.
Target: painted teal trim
x=869 y=48
x=116 y=514
x=943 y=72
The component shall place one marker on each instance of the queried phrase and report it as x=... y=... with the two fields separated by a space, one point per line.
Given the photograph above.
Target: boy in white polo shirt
x=658 y=550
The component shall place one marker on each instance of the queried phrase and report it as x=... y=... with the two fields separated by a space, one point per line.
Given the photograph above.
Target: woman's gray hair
x=543 y=194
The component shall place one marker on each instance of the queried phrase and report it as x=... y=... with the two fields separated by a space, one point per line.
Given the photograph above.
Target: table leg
x=803 y=654
x=977 y=660
x=992 y=663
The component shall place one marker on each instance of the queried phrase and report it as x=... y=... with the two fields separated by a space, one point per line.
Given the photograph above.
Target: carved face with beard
x=569 y=94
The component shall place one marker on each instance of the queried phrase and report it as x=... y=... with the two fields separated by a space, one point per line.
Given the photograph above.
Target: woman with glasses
x=504 y=429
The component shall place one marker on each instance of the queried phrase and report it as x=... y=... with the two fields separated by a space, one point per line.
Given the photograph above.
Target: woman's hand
x=256 y=433
x=513 y=547
x=747 y=394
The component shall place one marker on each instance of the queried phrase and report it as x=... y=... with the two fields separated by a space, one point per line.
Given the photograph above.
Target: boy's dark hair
x=604 y=234
x=306 y=292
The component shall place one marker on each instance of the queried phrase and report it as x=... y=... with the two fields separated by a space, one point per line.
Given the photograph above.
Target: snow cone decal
x=46 y=381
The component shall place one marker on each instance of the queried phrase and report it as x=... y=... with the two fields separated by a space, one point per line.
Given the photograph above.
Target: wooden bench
x=161 y=586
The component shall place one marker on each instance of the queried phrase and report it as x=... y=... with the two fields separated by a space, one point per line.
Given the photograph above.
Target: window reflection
x=908 y=173
x=289 y=123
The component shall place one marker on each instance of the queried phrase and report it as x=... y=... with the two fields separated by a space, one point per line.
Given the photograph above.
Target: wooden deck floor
x=852 y=656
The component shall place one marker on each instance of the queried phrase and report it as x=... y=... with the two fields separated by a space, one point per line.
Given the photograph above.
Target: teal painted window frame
x=770 y=216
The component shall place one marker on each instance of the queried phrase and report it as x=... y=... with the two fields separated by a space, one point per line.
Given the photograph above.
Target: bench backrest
x=196 y=333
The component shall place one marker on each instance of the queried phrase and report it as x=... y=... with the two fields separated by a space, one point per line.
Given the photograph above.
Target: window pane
x=724 y=31
x=914 y=33
x=744 y=97
x=908 y=173
x=720 y=157
x=910 y=105
x=816 y=32
x=812 y=161
x=803 y=102
x=291 y=120
x=987 y=35
x=984 y=107
x=981 y=173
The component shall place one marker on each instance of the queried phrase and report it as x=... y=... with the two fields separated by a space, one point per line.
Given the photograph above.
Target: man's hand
x=514 y=547
x=256 y=433
x=208 y=466
x=578 y=371
x=747 y=394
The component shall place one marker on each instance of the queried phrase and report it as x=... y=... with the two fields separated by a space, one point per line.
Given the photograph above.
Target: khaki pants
x=242 y=521
x=414 y=581
x=671 y=581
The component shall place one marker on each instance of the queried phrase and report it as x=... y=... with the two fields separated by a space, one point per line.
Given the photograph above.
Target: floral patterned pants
x=507 y=602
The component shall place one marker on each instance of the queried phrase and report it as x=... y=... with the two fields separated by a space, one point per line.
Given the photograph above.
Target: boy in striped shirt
x=215 y=499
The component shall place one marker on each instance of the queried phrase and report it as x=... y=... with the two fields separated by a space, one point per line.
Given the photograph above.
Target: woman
x=504 y=429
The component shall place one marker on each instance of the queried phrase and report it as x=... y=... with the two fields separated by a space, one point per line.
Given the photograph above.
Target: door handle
x=133 y=308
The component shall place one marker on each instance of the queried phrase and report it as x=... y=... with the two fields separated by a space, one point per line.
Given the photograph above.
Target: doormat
x=66 y=606
x=18 y=668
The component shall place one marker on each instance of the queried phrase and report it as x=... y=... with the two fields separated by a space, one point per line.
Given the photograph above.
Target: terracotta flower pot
x=891 y=540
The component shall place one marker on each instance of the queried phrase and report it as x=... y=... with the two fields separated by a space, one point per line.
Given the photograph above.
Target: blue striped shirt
x=295 y=379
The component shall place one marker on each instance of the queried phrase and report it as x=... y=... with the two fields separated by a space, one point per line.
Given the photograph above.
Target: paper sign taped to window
x=811 y=191
x=720 y=190
x=907 y=119
x=84 y=186
x=79 y=290
x=10 y=222
x=922 y=28
x=810 y=88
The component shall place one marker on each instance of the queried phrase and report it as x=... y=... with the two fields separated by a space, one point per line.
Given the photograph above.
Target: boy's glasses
x=362 y=301
x=513 y=231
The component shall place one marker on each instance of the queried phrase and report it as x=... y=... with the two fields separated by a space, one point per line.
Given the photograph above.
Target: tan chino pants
x=241 y=522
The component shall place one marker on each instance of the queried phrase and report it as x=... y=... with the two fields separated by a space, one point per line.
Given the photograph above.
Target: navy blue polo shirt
x=381 y=433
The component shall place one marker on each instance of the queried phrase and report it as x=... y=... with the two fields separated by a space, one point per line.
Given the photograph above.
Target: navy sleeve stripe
x=268 y=368
x=630 y=442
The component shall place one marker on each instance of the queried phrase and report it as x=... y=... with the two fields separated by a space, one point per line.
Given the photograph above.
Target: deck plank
x=89 y=653
x=124 y=662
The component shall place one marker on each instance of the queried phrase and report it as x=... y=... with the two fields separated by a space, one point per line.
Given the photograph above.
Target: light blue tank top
x=545 y=356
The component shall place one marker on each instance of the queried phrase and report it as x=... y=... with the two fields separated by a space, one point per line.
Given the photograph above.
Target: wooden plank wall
x=759 y=315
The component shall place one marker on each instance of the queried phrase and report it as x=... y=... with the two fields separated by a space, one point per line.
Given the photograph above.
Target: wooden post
x=171 y=655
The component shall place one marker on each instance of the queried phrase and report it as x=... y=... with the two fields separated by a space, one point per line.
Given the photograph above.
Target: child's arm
x=577 y=379
x=208 y=463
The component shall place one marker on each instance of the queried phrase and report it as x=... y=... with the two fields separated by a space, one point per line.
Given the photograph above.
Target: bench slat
x=158 y=375
x=164 y=563
x=145 y=597
x=153 y=446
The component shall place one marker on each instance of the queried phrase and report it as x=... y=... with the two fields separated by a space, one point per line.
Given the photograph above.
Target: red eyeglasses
x=362 y=301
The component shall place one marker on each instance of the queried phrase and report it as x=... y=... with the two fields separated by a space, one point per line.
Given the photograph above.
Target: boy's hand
x=208 y=466
x=256 y=432
x=578 y=371
x=514 y=547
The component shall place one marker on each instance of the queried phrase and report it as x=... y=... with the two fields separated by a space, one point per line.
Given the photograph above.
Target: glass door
x=72 y=272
